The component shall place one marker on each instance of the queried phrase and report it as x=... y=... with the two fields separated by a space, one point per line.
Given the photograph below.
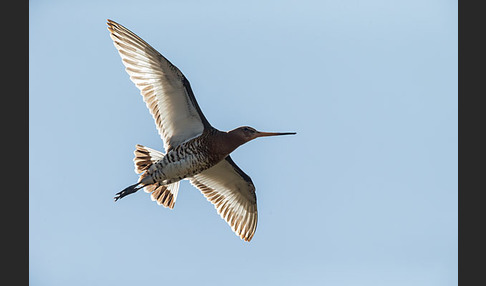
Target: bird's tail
x=165 y=195
x=145 y=157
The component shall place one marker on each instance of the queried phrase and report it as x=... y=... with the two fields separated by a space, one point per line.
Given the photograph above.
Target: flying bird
x=195 y=150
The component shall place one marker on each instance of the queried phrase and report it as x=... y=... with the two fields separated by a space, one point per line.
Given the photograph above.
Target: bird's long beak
x=264 y=134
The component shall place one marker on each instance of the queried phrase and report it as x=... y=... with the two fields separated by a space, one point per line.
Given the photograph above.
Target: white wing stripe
x=163 y=87
x=232 y=195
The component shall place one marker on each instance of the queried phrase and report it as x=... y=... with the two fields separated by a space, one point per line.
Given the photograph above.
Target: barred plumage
x=195 y=150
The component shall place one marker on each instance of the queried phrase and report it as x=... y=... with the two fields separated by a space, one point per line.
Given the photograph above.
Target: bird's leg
x=127 y=191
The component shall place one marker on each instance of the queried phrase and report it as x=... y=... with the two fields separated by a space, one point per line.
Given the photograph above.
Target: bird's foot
x=127 y=191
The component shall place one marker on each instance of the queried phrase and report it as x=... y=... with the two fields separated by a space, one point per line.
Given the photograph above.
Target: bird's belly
x=170 y=170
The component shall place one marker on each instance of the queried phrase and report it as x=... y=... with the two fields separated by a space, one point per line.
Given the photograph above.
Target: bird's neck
x=226 y=142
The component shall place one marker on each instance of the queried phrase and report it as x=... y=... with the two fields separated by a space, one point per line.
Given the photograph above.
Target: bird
x=194 y=149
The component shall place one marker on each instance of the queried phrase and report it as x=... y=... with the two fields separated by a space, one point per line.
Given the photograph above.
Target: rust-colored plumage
x=194 y=149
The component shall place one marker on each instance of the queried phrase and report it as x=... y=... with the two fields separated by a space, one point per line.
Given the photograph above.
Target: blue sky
x=364 y=194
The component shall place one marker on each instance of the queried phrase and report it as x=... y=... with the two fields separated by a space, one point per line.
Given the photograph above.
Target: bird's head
x=246 y=133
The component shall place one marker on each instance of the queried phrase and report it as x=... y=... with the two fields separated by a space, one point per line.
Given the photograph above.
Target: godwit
x=194 y=149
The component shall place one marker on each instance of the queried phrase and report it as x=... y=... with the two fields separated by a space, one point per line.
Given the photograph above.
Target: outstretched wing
x=164 y=88
x=232 y=193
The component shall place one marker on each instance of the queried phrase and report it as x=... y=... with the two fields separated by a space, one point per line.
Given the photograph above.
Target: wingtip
x=111 y=25
x=247 y=237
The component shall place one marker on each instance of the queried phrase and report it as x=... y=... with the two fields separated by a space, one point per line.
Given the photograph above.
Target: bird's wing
x=232 y=193
x=164 y=88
